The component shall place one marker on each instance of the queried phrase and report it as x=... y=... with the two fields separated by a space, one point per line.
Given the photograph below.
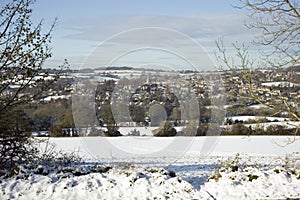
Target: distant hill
x=119 y=68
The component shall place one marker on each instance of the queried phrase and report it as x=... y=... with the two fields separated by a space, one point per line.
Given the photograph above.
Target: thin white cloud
x=205 y=29
x=196 y=26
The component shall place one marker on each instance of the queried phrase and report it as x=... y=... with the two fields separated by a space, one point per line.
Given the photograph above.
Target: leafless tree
x=23 y=51
x=278 y=22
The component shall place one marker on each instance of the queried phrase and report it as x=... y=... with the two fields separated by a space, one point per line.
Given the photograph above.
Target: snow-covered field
x=285 y=122
x=246 y=118
x=166 y=168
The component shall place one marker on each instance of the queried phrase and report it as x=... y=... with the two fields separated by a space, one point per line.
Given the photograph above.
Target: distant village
x=123 y=96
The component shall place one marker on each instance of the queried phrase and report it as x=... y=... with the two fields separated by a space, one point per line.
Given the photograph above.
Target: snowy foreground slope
x=165 y=168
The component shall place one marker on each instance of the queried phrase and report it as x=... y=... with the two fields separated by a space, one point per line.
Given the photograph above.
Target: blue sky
x=86 y=27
